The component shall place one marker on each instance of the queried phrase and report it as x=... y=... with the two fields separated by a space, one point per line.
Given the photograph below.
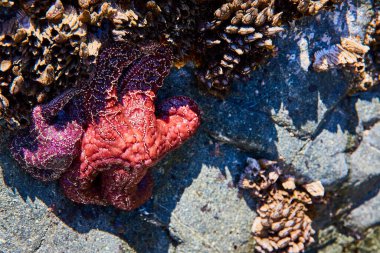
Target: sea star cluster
x=123 y=134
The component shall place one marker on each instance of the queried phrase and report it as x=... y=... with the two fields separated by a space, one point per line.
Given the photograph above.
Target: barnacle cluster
x=282 y=224
x=40 y=57
x=47 y=45
x=240 y=37
x=44 y=48
x=176 y=22
x=372 y=39
x=349 y=54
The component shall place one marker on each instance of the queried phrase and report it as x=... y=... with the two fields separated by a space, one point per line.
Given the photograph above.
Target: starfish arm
x=178 y=119
x=81 y=190
x=48 y=147
x=125 y=191
x=52 y=108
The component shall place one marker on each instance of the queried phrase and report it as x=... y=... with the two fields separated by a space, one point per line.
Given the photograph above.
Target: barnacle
x=176 y=22
x=350 y=54
x=282 y=224
x=6 y=3
x=372 y=39
x=240 y=37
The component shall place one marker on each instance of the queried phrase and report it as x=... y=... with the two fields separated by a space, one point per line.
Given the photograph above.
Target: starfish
x=51 y=143
x=125 y=135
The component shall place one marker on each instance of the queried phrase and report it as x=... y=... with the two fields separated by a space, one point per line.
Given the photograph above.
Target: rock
x=365 y=161
x=364 y=216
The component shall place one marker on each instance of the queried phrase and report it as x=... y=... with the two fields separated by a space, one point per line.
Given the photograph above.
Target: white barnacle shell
x=231 y=29
x=354 y=46
x=246 y=30
x=315 y=189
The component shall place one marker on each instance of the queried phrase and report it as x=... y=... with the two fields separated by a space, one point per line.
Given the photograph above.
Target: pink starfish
x=48 y=147
x=125 y=135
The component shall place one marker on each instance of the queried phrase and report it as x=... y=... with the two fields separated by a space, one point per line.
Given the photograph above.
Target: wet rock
x=364 y=216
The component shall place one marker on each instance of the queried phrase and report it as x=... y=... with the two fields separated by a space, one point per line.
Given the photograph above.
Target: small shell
x=354 y=46
x=20 y=35
x=211 y=43
x=283 y=242
x=55 y=12
x=246 y=70
x=273 y=176
x=293 y=248
x=264 y=163
x=274 y=30
x=289 y=223
x=289 y=183
x=276 y=19
x=314 y=8
x=301 y=246
x=276 y=226
x=265 y=243
x=226 y=38
x=236 y=20
x=226 y=64
x=268 y=44
x=253 y=37
x=5 y=65
x=4 y=102
x=285 y=212
x=41 y=97
x=236 y=49
x=315 y=189
x=16 y=85
x=276 y=215
x=83 y=50
x=261 y=17
x=303 y=6
x=47 y=76
x=218 y=71
x=246 y=30
x=264 y=208
x=285 y=232
x=257 y=226
x=265 y=222
x=223 y=13
x=250 y=16
x=231 y=58
x=297 y=226
x=86 y=3
x=231 y=29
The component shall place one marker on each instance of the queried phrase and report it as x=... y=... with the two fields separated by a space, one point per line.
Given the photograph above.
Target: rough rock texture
x=285 y=110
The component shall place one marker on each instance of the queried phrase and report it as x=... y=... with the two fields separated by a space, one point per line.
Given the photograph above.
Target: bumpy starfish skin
x=50 y=145
x=125 y=137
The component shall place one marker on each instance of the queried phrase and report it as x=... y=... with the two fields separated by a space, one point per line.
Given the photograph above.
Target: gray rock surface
x=364 y=216
x=285 y=110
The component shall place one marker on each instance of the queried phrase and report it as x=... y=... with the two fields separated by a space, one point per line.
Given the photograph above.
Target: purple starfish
x=48 y=147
